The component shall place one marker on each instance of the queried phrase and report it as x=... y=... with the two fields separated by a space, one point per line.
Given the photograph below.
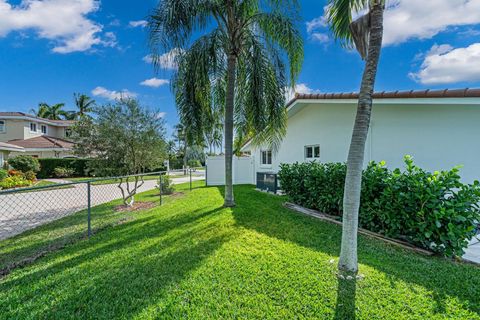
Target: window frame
x=3 y=126
x=67 y=132
x=36 y=127
x=264 y=155
x=41 y=129
x=313 y=147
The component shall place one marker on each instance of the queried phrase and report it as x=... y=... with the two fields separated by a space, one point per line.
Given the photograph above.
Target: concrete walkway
x=23 y=211
x=473 y=251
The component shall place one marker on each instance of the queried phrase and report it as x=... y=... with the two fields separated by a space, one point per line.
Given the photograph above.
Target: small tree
x=24 y=163
x=124 y=139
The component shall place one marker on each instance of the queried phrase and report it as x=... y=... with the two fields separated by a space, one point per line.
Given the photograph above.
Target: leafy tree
x=124 y=139
x=366 y=34
x=237 y=67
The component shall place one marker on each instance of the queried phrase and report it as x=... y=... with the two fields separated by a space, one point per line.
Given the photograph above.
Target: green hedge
x=431 y=210
x=48 y=165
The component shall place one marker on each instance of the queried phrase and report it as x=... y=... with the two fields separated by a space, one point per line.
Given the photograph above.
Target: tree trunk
x=353 y=181
x=229 y=105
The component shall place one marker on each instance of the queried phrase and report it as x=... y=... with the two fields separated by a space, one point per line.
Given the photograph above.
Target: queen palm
x=84 y=105
x=366 y=34
x=52 y=112
x=237 y=66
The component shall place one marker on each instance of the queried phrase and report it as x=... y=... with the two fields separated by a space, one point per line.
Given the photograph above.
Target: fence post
x=160 y=184
x=190 y=179
x=89 y=215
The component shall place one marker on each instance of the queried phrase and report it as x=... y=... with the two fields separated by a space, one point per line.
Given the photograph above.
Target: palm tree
x=52 y=112
x=366 y=34
x=84 y=105
x=236 y=66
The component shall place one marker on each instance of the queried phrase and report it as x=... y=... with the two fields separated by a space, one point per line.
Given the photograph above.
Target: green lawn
x=194 y=259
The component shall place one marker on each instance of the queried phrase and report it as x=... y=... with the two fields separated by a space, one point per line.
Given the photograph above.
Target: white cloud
x=112 y=95
x=161 y=115
x=444 y=64
x=320 y=37
x=138 y=23
x=64 y=22
x=414 y=19
x=154 y=82
x=166 y=60
x=299 y=88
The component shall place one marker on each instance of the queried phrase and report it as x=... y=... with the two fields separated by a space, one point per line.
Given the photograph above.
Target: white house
x=440 y=129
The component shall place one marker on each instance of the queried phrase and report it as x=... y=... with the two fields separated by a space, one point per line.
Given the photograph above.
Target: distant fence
x=243 y=170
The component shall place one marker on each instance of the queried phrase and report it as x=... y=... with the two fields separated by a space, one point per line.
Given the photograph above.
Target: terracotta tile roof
x=10 y=147
x=42 y=142
x=447 y=93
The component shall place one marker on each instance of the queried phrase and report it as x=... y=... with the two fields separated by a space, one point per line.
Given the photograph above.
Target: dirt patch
x=136 y=206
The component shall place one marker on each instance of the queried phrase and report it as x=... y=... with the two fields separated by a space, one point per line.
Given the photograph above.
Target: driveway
x=23 y=211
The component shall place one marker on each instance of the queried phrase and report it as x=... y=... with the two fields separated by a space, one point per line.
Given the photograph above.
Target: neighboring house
x=440 y=129
x=38 y=137
x=5 y=150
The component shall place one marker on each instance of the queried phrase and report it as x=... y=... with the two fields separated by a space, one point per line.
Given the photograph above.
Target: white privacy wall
x=438 y=133
x=243 y=172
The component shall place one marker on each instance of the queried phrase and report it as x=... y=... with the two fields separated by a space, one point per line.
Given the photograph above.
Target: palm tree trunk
x=353 y=181
x=229 y=104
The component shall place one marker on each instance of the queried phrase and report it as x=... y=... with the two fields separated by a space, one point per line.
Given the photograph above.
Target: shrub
x=167 y=186
x=15 y=173
x=29 y=175
x=25 y=163
x=48 y=165
x=192 y=163
x=61 y=172
x=14 y=182
x=431 y=210
x=3 y=174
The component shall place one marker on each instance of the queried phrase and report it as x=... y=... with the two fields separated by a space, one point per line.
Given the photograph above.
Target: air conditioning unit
x=267 y=181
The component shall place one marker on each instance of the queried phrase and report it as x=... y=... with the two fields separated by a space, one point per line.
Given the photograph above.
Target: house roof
x=42 y=142
x=412 y=94
x=10 y=147
x=23 y=115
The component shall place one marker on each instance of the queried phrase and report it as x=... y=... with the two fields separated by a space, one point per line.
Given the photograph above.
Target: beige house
x=22 y=133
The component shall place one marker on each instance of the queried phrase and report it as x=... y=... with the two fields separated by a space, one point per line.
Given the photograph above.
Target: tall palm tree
x=237 y=65
x=84 y=105
x=366 y=34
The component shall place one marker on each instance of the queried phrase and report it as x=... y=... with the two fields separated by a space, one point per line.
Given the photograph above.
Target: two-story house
x=22 y=133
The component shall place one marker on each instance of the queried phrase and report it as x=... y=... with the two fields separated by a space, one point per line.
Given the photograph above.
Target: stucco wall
x=438 y=136
x=14 y=129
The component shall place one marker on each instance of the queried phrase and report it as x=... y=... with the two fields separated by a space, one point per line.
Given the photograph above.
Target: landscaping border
x=334 y=219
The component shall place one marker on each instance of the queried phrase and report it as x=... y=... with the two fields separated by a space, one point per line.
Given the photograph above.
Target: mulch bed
x=136 y=206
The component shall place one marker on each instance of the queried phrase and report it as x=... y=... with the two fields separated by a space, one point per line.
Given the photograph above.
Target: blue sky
x=52 y=48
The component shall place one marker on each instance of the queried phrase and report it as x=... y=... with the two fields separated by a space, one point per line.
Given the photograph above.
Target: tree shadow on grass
x=345 y=304
x=117 y=274
x=264 y=213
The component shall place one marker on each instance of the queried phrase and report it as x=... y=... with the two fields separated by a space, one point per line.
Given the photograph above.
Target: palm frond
x=339 y=17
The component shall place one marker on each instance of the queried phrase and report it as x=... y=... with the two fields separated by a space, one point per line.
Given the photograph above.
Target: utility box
x=267 y=181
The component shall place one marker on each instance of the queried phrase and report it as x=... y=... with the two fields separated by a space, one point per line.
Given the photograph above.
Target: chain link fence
x=37 y=220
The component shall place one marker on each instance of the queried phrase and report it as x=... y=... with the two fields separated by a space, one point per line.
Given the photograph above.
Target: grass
x=194 y=259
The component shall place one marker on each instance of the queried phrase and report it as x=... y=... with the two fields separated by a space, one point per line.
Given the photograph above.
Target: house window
x=2 y=126
x=44 y=129
x=312 y=152
x=68 y=133
x=266 y=158
x=33 y=127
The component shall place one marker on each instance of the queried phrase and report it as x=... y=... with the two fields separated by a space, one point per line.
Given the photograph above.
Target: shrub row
x=79 y=166
x=431 y=210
